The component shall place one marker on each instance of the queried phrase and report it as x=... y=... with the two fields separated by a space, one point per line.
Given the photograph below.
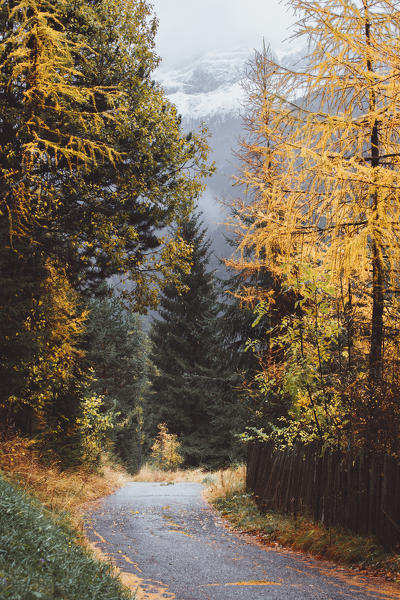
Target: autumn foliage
x=95 y=178
x=320 y=213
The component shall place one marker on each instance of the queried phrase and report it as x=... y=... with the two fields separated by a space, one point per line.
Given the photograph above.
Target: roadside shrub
x=165 y=453
x=95 y=427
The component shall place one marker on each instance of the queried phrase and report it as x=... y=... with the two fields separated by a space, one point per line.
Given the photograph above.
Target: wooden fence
x=357 y=492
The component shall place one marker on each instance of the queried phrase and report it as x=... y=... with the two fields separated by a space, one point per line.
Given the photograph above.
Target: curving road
x=169 y=543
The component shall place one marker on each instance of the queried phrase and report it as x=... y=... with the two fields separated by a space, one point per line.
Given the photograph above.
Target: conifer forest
x=124 y=334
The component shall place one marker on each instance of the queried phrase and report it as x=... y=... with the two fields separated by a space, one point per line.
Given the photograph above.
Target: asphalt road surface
x=169 y=544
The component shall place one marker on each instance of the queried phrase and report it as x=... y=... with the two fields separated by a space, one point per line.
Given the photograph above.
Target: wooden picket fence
x=355 y=491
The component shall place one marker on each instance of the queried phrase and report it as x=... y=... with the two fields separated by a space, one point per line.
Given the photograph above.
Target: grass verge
x=43 y=552
x=216 y=482
x=58 y=490
x=41 y=559
x=151 y=474
x=227 y=494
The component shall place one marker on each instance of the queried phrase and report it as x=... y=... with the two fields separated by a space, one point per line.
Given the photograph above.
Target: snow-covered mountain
x=208 y=87
x=211 y=86
x=209 y=91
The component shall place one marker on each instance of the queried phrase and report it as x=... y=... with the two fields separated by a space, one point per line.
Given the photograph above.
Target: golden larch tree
x=334 y=200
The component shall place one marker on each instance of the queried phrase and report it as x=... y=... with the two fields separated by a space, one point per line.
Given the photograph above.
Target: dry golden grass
x=149 y=473
x=218 y=483
x=225 y=482
x=68 y=490
x=58 y=490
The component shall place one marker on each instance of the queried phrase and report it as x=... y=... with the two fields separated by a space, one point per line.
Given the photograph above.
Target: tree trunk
x=376 y=339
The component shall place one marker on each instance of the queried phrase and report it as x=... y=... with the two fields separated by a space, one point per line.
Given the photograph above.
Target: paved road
x=167 y=540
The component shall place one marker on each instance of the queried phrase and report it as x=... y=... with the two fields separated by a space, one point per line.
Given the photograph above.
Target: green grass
x=301 y=534
x=40 y=558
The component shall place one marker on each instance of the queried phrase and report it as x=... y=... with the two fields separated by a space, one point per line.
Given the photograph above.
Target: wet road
x=169 y=543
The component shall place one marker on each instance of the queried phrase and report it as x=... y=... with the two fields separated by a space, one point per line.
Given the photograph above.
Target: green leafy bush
x=95 y=426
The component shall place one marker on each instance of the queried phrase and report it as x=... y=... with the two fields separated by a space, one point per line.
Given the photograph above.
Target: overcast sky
x=189 y=28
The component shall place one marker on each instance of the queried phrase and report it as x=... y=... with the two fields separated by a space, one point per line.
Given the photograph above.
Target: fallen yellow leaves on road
x=243 y=583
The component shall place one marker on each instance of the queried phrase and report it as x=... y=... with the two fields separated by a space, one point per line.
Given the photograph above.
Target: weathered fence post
x=358 y=491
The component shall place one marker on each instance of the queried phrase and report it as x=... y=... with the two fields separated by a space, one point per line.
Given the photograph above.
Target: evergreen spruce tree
x=193 y=384
x=117 y=349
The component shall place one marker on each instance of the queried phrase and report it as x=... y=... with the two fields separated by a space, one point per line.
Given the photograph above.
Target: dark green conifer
x=117 y=349
x=192 y=388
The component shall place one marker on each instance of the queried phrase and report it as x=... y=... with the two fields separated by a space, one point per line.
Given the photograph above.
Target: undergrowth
x=151 y=473
x=43 y=552
x=40 y=558
x=227 y=494
x=225 y=482
x=231 y=478
x=59 y=490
